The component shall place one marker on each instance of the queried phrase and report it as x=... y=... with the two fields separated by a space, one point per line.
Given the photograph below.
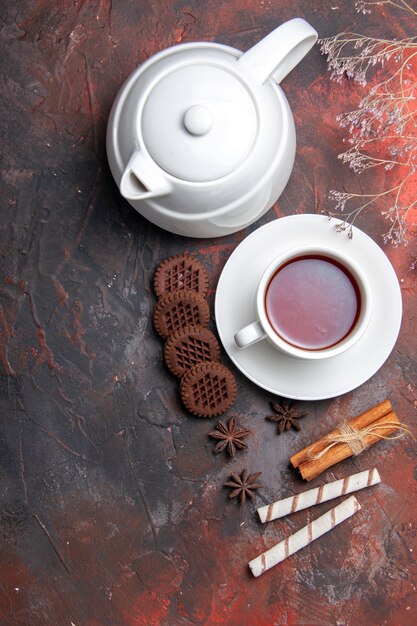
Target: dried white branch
x=383 y=129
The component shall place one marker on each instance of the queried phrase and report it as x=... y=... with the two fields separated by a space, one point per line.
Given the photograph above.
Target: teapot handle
x=280 y=51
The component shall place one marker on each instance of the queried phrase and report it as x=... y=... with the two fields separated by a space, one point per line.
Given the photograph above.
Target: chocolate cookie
x=178 y=309
x=178 y=273
x=189 y=346
x=208 y=389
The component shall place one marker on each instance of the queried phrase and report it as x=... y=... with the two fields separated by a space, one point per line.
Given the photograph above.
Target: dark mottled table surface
x=113 y=511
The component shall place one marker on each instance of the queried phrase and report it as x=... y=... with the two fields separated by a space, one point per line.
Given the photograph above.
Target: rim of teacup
x=361 y=323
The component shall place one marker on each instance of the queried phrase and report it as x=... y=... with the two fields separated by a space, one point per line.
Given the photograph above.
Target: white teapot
x=201 y=139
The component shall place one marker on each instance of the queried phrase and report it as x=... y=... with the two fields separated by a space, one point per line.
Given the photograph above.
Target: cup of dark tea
x=312 y=302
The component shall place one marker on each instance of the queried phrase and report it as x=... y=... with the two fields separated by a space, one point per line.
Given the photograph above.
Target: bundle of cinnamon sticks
x=347 y=439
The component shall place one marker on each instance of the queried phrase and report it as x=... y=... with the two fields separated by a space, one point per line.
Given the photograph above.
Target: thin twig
x=383 y=128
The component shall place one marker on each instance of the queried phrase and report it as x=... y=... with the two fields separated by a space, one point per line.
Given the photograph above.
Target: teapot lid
x=199 y=122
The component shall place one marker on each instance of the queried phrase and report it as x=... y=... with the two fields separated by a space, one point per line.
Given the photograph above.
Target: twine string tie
x=356 y=438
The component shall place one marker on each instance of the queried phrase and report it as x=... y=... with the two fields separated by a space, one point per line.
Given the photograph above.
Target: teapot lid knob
x=198 y=120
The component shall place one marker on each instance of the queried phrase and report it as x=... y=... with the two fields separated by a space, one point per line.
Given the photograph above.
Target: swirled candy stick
x=303 y=537
x=301 y=501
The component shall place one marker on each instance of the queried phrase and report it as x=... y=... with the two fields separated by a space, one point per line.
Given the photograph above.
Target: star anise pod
x=243 y=486
x=230 y=437
x=286 y=416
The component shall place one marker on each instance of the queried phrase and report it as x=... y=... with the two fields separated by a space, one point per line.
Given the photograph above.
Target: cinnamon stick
x=359 y=422
x=311 y=469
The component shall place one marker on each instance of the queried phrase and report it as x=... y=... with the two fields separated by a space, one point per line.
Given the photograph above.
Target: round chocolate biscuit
x=189 y=346
x=178 y=309
x=208 y=389
x=178 y=273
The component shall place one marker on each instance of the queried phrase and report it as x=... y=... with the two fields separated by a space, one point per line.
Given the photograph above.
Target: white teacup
x=262 y=328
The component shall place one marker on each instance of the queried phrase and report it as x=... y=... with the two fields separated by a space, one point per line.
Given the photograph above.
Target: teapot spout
x=280 y=51
x=142 y=179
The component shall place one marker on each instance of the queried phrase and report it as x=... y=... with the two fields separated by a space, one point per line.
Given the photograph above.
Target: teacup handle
x=249 y=335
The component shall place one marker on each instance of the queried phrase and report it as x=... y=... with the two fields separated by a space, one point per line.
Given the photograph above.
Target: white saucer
x=288 y=377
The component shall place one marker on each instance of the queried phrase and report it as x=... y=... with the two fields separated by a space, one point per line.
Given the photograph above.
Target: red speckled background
x=112 y=508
